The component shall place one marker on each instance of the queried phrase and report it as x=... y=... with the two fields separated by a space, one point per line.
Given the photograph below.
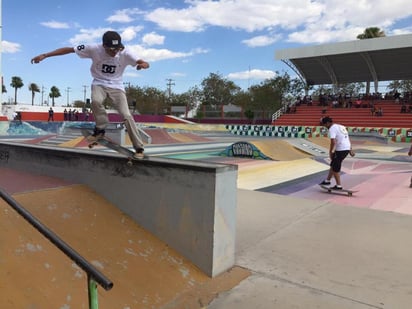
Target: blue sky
x=184 y=41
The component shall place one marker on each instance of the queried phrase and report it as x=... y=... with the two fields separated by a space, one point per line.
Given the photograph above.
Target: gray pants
x=99 y=94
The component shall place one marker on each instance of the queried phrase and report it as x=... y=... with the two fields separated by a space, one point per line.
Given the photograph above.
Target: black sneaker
x=325 y=183
x=139 y=154
x=97 y=134
x=336 y=188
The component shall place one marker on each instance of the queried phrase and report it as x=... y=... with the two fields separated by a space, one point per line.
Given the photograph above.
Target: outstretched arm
x=56 y=52
x=141 y=64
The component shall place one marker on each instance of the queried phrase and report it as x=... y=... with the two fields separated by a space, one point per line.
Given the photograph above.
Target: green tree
x=153 y=101
x=54 y=93
x=33 y=88
x=272 y=94
x=16 y=83
x=243 y=99
x=190 y=99
x=401 y=86
x=353 y=89
x=370 y=33
x=217 y=91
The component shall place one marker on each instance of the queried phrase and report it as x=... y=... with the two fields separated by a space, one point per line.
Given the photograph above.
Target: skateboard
x=330 y=190
x=106 y=142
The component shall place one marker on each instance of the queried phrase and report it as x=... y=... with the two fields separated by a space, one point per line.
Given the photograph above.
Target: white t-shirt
x=341 y=136
x=106 y=70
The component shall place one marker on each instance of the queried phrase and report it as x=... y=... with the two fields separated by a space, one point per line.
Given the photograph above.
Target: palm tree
x=54 y=93
x=33 y=88
x=16 y=83
x=370 y=33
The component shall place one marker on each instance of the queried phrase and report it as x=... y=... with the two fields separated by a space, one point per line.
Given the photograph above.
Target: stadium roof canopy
x=379 y=59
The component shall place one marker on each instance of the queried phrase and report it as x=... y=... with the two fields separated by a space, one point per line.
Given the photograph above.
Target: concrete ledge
x=189 y=205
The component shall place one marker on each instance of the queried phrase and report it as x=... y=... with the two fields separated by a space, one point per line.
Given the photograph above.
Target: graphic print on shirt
x=108 y=69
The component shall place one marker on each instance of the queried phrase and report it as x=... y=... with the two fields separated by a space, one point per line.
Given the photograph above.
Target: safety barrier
x=394 y=134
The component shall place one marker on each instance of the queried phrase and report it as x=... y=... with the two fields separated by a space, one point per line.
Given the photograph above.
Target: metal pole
x=92 y=289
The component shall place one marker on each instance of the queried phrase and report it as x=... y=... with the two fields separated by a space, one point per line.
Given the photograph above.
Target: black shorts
x=337 y=158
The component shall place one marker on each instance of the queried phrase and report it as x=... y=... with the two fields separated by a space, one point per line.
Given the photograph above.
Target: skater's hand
x=352 y=153
x=142 y=65
x=38 y=58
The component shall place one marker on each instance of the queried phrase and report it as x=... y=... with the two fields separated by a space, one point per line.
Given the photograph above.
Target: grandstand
x=351 y=117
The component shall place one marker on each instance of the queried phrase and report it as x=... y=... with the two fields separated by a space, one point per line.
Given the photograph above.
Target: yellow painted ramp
x=146 y=273
x=279 y=150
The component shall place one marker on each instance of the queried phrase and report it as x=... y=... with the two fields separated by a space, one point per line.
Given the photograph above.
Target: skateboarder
x=340 y=147
x=109 y=61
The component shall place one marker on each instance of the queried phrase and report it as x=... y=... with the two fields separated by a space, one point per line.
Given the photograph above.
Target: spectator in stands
x=396 y=96
x=379 y=112
x=403 y=108
x=373 y=110
x=340 y=147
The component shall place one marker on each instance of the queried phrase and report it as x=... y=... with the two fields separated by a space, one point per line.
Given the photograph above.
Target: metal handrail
x=277 y=114
x=93 y=275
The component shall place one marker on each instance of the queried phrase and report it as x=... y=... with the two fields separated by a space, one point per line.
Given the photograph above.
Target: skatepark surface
x=297 y=246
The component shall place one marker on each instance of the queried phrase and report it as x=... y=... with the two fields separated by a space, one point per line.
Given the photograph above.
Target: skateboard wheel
x=129 y=163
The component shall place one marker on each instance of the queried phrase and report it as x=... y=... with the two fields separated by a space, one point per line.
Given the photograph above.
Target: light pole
x=68 y=91
x=84 y=91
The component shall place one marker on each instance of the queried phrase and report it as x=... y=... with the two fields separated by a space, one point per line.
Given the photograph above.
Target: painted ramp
x=146 y=273
x=278 y=150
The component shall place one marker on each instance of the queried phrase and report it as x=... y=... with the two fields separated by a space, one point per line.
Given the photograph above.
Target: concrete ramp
x=146 y=272
x=279 y=150
x=185 y=204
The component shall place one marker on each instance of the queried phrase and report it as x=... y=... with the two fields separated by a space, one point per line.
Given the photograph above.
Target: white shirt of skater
x=106 y=70
x=341 y=136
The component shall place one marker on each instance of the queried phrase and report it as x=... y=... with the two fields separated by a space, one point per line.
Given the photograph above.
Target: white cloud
x=124 y=16
x=152 y=54
x=10 y=47
x=55 y=24
x=252 y=74
x=177 y=74
x=261 y=40
x=130 y=33
x=309 y=21
x=88 y=36
x=153 y=39
x=237 y=14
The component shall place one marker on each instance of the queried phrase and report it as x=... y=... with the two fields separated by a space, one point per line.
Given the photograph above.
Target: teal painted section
x=244 y=150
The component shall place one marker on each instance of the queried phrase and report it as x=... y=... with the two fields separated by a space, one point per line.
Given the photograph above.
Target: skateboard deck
x=330 y=190
x=104 y=141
